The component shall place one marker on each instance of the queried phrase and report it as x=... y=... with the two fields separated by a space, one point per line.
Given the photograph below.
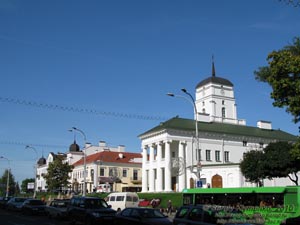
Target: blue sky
x=120 y=58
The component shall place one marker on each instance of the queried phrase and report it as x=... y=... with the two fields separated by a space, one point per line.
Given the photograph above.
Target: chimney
x=102 y=144
x=264 y=125
x=121 y=148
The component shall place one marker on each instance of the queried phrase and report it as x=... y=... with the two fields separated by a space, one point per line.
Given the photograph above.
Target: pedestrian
x=169 y=207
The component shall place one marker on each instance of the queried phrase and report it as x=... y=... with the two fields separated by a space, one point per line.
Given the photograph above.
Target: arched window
x=223 y=112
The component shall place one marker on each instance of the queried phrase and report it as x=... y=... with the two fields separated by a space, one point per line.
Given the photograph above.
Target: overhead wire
x=18 y=101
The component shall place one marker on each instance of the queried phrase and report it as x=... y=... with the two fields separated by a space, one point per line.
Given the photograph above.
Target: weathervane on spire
x=213 y=67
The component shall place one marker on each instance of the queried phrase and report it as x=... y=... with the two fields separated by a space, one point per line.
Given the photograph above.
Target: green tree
x=280 y=161
x=295 y=152
x=275 y=161
x=283 y=75
x=11 y=185
x=252 y=166
x=58 y=174
x=25 y=184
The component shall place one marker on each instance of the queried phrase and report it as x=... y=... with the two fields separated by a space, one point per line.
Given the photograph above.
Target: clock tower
x=215 y=101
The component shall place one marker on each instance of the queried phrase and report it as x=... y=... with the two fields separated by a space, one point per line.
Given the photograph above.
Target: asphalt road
x=17 y=218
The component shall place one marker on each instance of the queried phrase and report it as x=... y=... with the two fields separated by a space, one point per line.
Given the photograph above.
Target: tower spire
x=213 y=73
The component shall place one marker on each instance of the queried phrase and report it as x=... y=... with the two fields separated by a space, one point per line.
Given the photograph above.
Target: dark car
x=90 y=210
x=195 y=215
x=33 y=206
x=15 y=203
x=141 y=216
x=3 y=202
x=57 y=208
x=209 y=215
x=291 y=221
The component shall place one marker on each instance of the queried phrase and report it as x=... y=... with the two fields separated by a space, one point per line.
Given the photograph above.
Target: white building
x=174 y=159
x=101 y=162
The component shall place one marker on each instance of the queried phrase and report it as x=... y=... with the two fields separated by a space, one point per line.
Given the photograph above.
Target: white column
x=182 y=177
x=235 y=112
x=151 y=170
x=168 y=167
x=144 y=171
x=159 y=169
x=95 y=185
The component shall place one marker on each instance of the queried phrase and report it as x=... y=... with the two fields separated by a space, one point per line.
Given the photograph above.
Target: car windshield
x=95 y=203
x=150 y=213
x=36 y=202
x=20 y=199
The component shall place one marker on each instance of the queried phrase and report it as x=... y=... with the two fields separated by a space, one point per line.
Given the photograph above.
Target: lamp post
x=192 y=101
x=35 y=166
x=84 y=158
x=7 y=180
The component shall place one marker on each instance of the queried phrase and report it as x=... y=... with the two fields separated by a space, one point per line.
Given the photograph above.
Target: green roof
x=177 y=123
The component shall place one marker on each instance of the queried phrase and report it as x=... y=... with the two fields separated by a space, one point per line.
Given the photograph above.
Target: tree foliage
x=251 y=166
x=280 y=161
x=275 y=161
x=296 y=150
x=295 y=3
x=58 y=174
x=283 y=75
x=12 y=184
x=25 y=184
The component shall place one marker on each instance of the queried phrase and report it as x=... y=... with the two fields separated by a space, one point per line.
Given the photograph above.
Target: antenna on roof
x=213 y=73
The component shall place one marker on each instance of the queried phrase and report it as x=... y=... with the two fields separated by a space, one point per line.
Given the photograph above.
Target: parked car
x=209 y=215
x=3 y=202
x=291 y=221
x=141 y=216
x=15 y=203
x=90 y=210
x=194 y=215
x=33 y=206
x=57 y=208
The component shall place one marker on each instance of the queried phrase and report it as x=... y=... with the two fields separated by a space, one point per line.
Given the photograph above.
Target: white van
x=122 y=200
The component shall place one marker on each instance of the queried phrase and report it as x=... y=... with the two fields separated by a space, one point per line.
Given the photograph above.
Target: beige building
x=109 y=171
x=107 y=168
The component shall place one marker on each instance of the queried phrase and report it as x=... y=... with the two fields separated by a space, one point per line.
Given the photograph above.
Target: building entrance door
x=217 y=181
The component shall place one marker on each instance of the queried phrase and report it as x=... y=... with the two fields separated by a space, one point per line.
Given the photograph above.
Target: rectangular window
x=124 y=172
x=135 y=174
x=226 y=156
x=111 y=172
x=244 y=143
x=173 y=155
x=207 y=153
x=101 y=172
x=199 y=155
x=217 y=155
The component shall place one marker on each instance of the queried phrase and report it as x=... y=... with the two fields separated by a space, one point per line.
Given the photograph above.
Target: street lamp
x=84 y=158
x=7 y=180
x=35 y=165
x=192 y=101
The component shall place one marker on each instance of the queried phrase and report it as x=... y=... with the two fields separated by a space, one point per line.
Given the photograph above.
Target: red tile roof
x=112 y=157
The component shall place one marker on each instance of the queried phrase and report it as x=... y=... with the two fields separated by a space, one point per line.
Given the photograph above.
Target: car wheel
x=89 y=221
x=72 y=222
